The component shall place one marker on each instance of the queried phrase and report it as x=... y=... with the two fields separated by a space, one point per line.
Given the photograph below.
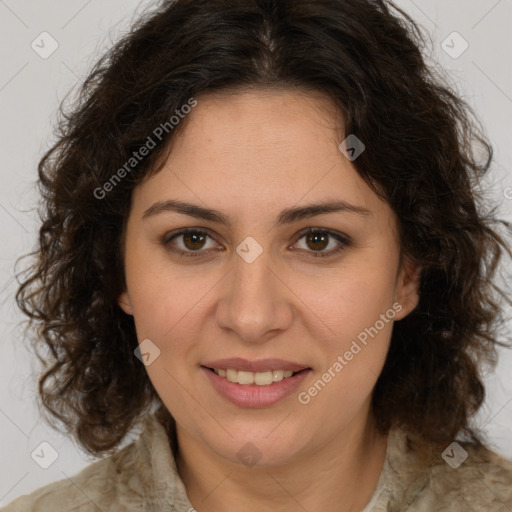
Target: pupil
x=316 y=239
x=195 y=238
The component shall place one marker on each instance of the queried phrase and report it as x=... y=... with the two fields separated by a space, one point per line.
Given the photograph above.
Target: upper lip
x=261 y=365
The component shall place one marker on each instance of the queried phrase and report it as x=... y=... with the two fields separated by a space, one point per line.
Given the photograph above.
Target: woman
x=262 y=245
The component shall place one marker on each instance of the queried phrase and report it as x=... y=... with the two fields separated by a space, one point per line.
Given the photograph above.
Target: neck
x=338 y=475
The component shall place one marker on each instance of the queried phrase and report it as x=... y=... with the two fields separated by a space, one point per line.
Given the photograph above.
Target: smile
x=247 y=378
x=254 y=389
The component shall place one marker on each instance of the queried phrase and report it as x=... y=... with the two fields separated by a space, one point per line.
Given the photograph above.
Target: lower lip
x=252 y=395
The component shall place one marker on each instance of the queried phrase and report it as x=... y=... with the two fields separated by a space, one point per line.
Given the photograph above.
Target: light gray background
x=31 y=89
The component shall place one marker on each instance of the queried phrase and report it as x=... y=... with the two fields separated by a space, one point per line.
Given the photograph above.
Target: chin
x=259 y=448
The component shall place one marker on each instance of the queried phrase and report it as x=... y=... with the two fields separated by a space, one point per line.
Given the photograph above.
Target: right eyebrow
x=286 y=216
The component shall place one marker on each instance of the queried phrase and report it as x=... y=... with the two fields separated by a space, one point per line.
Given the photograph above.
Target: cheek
x=359 y=316
x=170 y=308
x=159 y=293
x=351 y=322
x=347 y=302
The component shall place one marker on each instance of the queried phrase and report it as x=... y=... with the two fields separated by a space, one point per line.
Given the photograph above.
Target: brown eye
x=189 y=243
x=193 y=241
x=317 y=240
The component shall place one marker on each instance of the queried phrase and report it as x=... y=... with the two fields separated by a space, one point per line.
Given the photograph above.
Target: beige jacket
x=143 y=477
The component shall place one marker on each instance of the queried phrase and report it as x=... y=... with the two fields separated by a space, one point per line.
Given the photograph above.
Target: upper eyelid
x=180 y=232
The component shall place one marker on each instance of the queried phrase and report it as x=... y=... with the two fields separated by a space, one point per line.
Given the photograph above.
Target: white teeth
x=263 y=378
x=231 y=375
x=258 y=378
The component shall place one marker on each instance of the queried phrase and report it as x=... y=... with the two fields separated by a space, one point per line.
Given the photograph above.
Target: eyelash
x=344 y=242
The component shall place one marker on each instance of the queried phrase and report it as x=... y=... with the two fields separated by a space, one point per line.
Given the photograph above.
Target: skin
x=250 y=155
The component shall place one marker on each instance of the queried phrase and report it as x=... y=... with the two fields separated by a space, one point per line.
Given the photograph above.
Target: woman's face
x=257 y=287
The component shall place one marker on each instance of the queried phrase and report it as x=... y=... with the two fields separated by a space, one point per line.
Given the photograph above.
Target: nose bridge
x=252 y=285
x=251 y=277
x=253 y=302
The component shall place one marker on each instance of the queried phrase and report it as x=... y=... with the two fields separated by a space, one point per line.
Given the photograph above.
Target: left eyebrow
x=286 y=216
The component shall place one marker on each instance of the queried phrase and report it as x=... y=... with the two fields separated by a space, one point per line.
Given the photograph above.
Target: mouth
x=247 y=378
x=248 y=389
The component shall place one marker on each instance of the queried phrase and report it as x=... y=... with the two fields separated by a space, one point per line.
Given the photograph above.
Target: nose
x=254 y=302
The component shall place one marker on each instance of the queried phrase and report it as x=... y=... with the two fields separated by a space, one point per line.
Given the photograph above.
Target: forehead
x=258 y=150
x=267 y=122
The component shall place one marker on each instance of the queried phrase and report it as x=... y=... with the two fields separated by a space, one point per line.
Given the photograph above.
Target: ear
x=125 y=303
x=407 y=291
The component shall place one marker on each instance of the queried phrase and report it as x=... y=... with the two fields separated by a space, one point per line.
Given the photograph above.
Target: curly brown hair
x=366 y=56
